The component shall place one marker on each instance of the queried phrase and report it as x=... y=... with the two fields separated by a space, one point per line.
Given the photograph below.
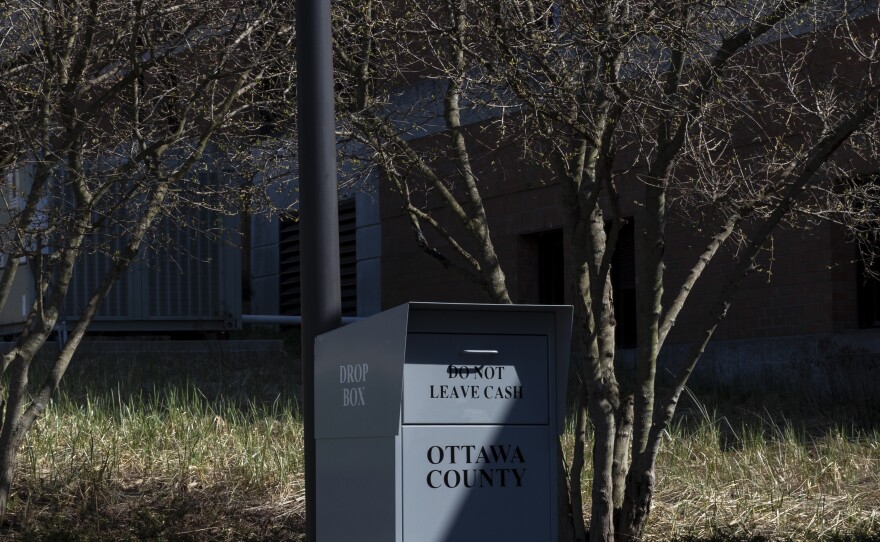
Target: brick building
x=813 y=303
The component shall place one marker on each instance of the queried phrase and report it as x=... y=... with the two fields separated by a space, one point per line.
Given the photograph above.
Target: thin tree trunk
x=602 y=405
x=599 y=388
x=577 y=466
x=12 y=431
x=622 y=443
x=604 y=423
x=565 y=518
x=8 y=461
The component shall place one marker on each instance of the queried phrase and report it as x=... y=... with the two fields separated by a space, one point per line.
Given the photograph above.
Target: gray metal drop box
x=438 y=423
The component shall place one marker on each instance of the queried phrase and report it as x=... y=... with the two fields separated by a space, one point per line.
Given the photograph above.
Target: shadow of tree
x=222 y=373
x=722 y=536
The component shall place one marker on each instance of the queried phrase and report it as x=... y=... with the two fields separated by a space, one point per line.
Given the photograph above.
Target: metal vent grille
x=183 y=273
x=87 y=273
x=95 y=263
x=348 y=256
x=289 y=258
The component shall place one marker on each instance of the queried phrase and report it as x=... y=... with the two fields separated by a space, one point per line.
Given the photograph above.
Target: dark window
x=623 y=282
x=869 y=294
x=550 y=250
x=289 y=252
x=551 y=268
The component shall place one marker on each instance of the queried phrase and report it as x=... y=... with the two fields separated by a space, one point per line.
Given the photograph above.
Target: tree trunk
x=8 y=457
x=600 y=393
x=12 y=430
x=637 y=502
x=602 y=518
x=566 y=518
x=577 y=467
x=602 y=406
x=622 y=440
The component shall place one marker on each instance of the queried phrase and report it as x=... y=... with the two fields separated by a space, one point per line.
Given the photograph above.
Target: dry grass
x=193 y=448
x=150 y=455
x=173 y=466
x=714 y=483
x=779 y=484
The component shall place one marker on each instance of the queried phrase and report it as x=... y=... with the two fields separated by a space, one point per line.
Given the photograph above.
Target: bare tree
x=731 y=119
x=107 y=112
x=380 y=124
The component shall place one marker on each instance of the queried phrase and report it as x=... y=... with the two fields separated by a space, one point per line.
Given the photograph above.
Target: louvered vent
x=88 y=273
x=94 y=264
x=289 y=251
x=289 y=261
x=184 y=263
x=348 y=256
x=183 y=268
x=177 y=277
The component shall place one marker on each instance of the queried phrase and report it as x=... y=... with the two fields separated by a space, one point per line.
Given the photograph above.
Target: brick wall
x=807 y=285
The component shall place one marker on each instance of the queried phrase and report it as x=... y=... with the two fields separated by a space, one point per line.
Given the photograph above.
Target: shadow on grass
x=154 y=514
x=830 y=387
x=774 y=416
x=729 y=537
x=90 y=496
x=221 y=374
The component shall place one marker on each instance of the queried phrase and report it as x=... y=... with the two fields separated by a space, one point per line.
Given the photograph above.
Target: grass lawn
x=210 y=449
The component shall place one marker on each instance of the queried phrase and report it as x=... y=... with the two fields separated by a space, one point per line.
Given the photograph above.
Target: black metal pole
x=319 y=222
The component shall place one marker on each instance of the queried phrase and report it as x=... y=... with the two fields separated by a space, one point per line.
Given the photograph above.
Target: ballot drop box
x=438 y=422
